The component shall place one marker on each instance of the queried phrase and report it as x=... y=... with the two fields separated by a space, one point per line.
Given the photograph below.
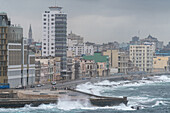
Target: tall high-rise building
x=30 y=39
x=54 y=23
x=17 y=65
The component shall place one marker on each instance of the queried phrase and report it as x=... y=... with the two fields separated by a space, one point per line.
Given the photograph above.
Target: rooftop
x=55 y=8
x=3 y=13
x=97 y=57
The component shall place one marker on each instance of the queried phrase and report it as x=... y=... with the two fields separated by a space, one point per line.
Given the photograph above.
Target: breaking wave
x=134 y=101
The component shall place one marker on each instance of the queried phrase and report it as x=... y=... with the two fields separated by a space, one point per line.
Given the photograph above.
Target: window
x=44 y=51
x=45 y=15
x=45 y=19
x=44 y=43
x=44 y=47
x=44 y=23
x=88 y=67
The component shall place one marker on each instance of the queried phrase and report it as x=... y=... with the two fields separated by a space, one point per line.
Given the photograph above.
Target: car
x=53 y=83
x=39 y=85
x=32 y=86
x=42 y=84
x=19 y=87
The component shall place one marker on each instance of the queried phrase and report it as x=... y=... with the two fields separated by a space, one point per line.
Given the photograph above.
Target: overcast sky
x=97 y=21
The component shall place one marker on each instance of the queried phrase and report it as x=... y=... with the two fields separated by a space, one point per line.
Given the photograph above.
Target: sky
x=98 y=21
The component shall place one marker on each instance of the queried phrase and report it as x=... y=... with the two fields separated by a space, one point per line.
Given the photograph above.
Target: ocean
x=150 y=95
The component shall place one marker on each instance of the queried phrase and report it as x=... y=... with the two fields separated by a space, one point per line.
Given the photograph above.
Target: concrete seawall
x=22 y=95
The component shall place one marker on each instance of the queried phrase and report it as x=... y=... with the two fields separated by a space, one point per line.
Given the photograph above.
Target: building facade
x=142 y=57
x=54 y=34
x=101 y=62
x=17 y=63
x=47 y=69
x=124 y=63
x=113 y=57
x=160 y=63
x=88 y=68
x=76 y=44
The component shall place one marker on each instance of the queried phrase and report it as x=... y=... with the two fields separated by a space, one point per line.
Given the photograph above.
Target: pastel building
x=142 y=56
x=160 y=63
x=102 y=64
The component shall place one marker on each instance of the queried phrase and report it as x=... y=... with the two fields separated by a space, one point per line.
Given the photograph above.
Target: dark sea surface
x=151 y=95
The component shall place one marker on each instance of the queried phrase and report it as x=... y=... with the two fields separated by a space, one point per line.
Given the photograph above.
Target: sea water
x=150 y=95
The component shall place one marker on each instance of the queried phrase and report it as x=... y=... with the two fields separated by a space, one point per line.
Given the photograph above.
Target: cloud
x=97 y=20
x=99 y=27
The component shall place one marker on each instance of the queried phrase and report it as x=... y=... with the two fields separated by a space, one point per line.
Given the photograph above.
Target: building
x=16 y=62
x=142 y=57
x=88 y=68
x=73 y=39
x=76 y=44
x=30 y=39
x=81 y=49
x=113 y=57
x=54 y=23
x=160 y=63
x=158 y=44
x=70 y=66
x=110 y=45
x=150 y=39
x=38 y=49
x=124 y=46
x=124 y=63
x=135 y=40
x=168 y=66
x=47 y=69
x=119 y=61
x=102 y=64
x=73 y=66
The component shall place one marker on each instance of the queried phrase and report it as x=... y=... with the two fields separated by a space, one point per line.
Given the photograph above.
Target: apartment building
x=142 y=56
x=47 y=69
x=54 y=23
x=16 y=62
x=76 y=44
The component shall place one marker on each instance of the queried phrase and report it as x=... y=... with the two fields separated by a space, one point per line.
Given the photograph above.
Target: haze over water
x=151 y=95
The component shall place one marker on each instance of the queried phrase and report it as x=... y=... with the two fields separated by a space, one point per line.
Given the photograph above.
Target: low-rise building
x=113 y=57
x=76 y=44
x=160 y=63
x=47 y=69
x=119 y=61
x=101 y=62
x=88 y=68
x=168 y=66
x=124 y=63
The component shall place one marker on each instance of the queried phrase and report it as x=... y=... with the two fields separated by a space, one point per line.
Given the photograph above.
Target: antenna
x=139 y=33
x=55 y=2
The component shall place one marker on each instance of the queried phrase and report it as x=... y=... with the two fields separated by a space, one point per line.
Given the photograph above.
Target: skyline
x=106 y=21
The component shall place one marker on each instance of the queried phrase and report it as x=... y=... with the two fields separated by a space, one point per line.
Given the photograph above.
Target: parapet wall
x=22 y=95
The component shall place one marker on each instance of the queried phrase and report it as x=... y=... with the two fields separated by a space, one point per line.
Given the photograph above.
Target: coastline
x=35 y=97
